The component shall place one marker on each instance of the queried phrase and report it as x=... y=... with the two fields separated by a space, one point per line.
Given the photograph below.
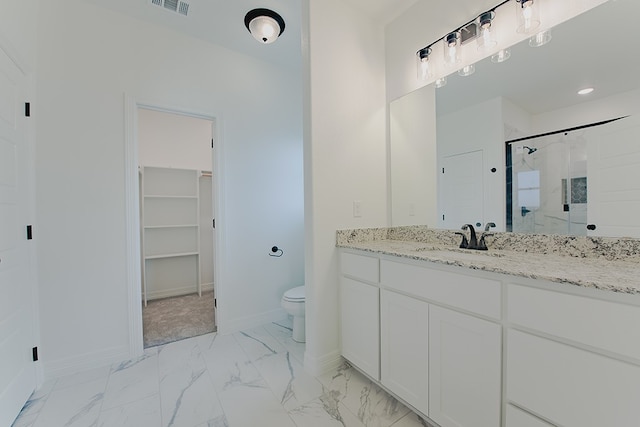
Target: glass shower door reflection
x=548 y=184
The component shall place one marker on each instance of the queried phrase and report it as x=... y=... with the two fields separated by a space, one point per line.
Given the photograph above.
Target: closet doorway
x=176 y=225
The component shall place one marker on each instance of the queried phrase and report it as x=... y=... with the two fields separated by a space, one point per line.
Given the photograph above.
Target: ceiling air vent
x=177 y=6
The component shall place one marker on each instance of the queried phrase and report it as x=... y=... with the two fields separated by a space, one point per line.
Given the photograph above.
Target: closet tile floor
x=247 y=379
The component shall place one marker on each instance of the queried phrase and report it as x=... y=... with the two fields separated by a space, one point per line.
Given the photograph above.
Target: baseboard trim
x=317 y=366
x=84 y=362
x=176 y=292
x=235 y=325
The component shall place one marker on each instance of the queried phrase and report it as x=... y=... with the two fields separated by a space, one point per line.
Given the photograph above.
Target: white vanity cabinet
x=446 y=361
x=464 y=369
x=475 y=348
x=360 y=312
x=573 y=360
x=430 y=331
x=404 y=351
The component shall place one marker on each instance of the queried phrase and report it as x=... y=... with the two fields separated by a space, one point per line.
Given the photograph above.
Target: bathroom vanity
x=543 y=335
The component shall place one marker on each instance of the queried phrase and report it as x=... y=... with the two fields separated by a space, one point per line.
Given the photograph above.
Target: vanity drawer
x=606 y=325
x=570 y=386
x=360 y=267
x=474 y=294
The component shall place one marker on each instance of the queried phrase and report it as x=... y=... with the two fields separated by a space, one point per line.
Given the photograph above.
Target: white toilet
x=293 y=303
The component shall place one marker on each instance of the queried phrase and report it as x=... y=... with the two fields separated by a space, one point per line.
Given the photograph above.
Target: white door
x=462 y=189
x=613 y=178
x=17 y=370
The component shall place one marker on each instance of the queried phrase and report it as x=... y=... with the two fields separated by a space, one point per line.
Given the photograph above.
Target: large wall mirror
x=559 y=183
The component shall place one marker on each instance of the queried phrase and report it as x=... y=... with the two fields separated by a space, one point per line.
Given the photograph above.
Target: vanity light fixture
x=540 y=39
x=452 y=43
x=528 y=15
x=441 y=82
x=265 y=25
x=585 y=91
x=501 y=56
x=467 y=70
x=486 y=38
x=422 y=58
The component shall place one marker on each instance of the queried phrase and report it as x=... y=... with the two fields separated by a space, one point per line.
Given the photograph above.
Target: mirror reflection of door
x=462 y=189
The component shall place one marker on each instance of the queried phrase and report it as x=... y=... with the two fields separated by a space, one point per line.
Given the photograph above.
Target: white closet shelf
x=151 y=227
x=171 y=255
x=170 y=216
x=161 y=196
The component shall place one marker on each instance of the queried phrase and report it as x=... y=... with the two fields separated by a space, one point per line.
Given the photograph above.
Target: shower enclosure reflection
x=547 y=184
x=581 y=181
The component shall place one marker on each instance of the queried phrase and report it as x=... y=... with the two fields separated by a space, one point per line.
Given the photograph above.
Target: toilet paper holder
x=276 y=252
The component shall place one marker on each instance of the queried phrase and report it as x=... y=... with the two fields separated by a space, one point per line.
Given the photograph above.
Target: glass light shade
x=501 y=56
x=442 y=81
x=540 y=39
x=264 y=29
x=422 y=62
x=452 y=48
x=467 y=70
x=528 y=15
x=486 y=35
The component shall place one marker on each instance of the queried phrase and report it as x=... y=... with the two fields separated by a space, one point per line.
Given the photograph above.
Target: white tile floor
x=251 y=378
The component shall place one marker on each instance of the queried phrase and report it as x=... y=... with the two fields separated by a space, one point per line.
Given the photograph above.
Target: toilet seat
x=294 y=295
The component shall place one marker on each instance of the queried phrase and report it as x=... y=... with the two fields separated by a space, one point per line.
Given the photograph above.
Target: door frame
x=132 y=210
x=26 y=93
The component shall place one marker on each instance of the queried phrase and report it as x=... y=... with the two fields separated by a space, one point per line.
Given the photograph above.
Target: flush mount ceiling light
x=264 y=25
x=585 y=91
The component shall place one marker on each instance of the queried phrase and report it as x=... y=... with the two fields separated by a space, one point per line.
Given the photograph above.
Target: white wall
x=614 y=106
x=18 y=31
x=413 y=159
x=88 y=58
x=174 y=140
x=345 y=155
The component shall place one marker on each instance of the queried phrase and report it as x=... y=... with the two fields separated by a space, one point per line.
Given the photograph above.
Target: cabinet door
x=464 y=369
x=359 y=305
x=404 y=335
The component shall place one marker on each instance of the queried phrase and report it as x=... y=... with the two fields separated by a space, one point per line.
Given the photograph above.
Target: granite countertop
x=615 y=273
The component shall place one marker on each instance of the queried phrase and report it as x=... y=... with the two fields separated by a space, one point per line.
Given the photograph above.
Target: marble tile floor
x=246 y=379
